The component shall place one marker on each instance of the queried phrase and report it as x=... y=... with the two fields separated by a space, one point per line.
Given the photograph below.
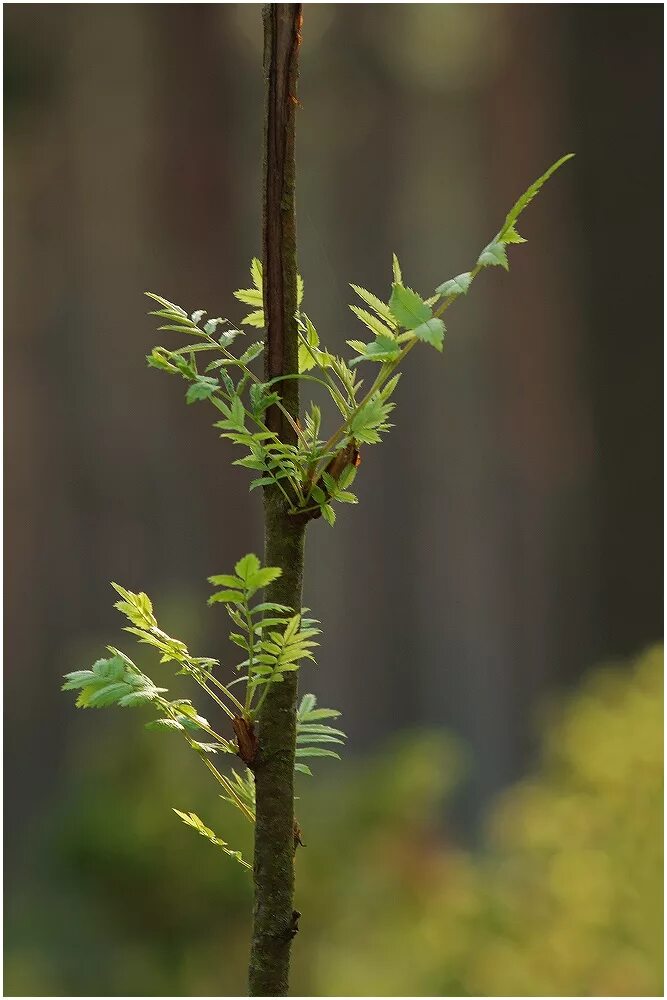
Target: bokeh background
x=492 y=609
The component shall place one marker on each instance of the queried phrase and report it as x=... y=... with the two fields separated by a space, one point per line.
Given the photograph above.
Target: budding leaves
x=495 y=254
x=416 y=315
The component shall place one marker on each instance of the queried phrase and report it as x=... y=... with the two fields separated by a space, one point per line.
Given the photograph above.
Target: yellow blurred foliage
x=566 y=900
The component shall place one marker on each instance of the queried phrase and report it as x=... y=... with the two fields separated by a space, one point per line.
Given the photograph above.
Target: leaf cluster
x=275 y=641
x=302 y=471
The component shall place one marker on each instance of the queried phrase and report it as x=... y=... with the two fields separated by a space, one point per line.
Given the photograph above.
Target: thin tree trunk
x=274 y=917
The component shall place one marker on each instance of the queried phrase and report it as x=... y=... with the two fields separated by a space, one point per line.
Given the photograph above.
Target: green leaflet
x=408 y=308
x=431 y=332
x=525 y=199
x=310 y=731
x=192 y=820
x=494 y=255
x=456 y=286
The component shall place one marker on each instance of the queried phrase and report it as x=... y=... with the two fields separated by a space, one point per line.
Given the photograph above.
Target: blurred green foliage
x=565 y=898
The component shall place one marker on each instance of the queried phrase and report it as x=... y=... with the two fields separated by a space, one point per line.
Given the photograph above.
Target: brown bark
x=274 y=917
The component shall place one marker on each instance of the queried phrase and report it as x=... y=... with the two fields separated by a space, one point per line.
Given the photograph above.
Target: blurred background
x=492 y=609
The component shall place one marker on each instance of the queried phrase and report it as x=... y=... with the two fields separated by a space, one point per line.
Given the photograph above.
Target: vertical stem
x=273 y=916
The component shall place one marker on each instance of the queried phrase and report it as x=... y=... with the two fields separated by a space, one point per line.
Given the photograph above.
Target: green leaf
x=307 y=703
x=101 y=696
x=251 y=296
x=226 y=597
x=237 y=414
x=311 y=738
x=527 y=197
x=112 y=669
x=512 y=236
x=409 y=309
x=456 y=286
x=315 y=727
x=311 y=338
x=378 y=306
x=77 y=679
x=431 y=332
x=256 y=272
x=203 y=388
x=383 y=348
x=212 y=325
x=224 y=580
x=316 y=752
x=303 y=768
x=159 y=725
x=247 y=566
x=396 y=268
x=142 y=697
x=193 y=821
x=254 y=319
x=375 y=325
x=252 y=352
x=494 y=255
x=166 y=303
x=321 y=713
x=328 y=513
x=263 y=577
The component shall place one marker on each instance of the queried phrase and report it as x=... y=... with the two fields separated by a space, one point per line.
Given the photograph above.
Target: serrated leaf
x=111 y=669
x=375 y=325
x=306 y=357
x=158 y=725
x=263 y=577
x=320 y=713
x=311 y=738
x=328 y=513
x=211 y=325
x=381 y=349
x=456 y=286
x=251 y=296
x=247 y=566
x=226 y=597
x=431 y=332
x=142 y=697
x=316 y=752
x=255 y=318
x=316 y=727
x=528 y=195
x=107 y=695
x=166 y=303
x=203 y=388
x=494 y=255
x=380 y=307
x=251 y=353
x=307 y=703
x=396 y=269
x=256 y=272
x=512 y=236
x=408 y=307
x=224 y=580
x=77 y=679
